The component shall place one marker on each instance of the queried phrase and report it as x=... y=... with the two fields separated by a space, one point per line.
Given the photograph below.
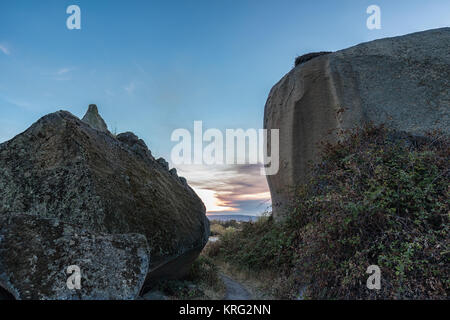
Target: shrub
x=203 y=270
x=379 y=197
x=212 y=249
x=216 y=229
x=257 y=246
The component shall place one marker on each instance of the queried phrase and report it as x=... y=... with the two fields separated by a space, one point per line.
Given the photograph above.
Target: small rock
x=136 y=144
x=93 y=118
x=163 y=163
x=183 y=181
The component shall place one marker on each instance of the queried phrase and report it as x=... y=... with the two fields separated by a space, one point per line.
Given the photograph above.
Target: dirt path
x=235 y=291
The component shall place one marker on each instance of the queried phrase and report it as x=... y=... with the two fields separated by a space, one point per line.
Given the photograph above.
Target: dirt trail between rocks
x=235 y=290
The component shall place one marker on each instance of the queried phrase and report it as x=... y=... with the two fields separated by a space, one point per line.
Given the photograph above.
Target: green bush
x=257 y=246
x=379 y=197
x=216 y=229
x=203 y=270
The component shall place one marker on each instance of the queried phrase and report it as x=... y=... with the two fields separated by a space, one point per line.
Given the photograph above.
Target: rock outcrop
x=309 y=56
x=75 y=172
x=401 y=82
x=93 y=118
x=35 y=254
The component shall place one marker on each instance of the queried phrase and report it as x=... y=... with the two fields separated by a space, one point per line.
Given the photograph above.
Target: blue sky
x=154 y=66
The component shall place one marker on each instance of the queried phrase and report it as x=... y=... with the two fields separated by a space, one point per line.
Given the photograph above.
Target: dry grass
x=258 y=284
x=202 y=283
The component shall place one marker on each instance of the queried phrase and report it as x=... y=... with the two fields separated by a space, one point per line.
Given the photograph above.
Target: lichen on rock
x=75 y=172
x=35 y=253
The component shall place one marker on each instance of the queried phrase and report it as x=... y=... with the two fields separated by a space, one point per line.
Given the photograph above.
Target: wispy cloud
x=141 y=69
x=9 y=129
x=225 y=189
x=21 y=104
x=4 y=48
x=64 y=71
x=63 y=74
x=16 y=102
x=109 y=92
x=129 y=88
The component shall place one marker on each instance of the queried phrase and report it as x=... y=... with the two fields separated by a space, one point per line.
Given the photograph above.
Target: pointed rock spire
x=93 y=118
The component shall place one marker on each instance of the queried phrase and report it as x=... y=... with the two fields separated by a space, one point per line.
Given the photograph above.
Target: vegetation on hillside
x=377 y=198
x=218 y=228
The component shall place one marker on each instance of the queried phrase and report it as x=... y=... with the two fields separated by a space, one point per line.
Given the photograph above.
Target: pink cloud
x=239 y=188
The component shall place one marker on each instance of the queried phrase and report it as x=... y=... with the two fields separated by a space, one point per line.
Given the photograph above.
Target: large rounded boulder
x=78 y=173
x=401 y=82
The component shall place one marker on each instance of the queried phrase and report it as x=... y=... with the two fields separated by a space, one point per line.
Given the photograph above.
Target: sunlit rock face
x=402 y=82
x=63 y=168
